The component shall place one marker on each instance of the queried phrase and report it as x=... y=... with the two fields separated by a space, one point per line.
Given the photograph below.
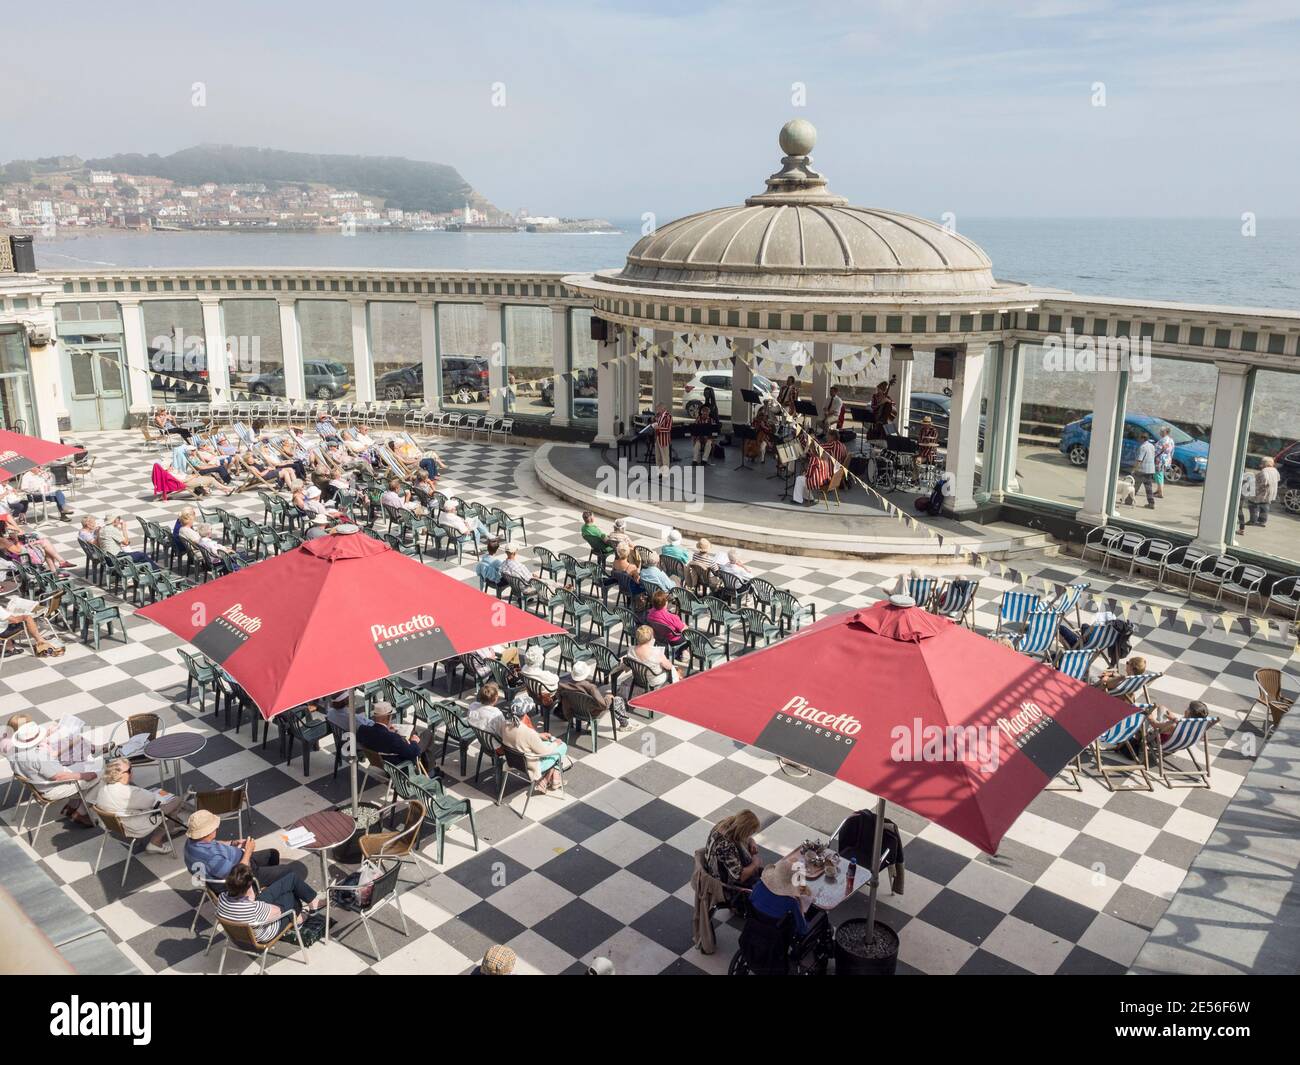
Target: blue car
x=1190 y=454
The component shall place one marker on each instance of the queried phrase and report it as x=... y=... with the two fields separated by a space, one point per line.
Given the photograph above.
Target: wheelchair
x=771 y=947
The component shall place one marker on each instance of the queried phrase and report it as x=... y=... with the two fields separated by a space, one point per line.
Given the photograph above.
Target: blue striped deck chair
x=1187 y=734
x=245 y=433
x=1075 y=663
x=1040 y=633
x=1099 y=638
x=1131 y=729
x=1068 y=599
x=1130 y=686
x=390 y=460
x=1016 y=607
x=956 y=601
x=921 y=589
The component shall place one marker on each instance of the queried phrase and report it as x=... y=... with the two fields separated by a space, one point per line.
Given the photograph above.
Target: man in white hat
x=579 y=680
x=36 y=761
x=462 y=526
x=208 y=858
x=512 y=567
x=316 y=530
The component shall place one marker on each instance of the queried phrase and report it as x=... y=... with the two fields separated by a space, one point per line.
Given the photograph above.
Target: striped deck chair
x=390 y=460
x=245 y=434
x=921 y=589
x=1131 y=729
x=956 y=601
x=1015 y=609
x=1130 y=686
x=1040 y=633
x=1068 y=599
x=1075 y=663
x=1187 y=734
x=1100 y=638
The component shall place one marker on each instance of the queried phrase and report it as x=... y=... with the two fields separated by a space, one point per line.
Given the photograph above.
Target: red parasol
x=20 y=453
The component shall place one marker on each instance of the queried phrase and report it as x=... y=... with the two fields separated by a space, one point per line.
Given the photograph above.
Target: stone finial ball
x=798 y=137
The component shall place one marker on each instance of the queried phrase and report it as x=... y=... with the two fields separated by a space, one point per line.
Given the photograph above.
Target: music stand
x=807 y=408
x=742 y=433
x=751 y=396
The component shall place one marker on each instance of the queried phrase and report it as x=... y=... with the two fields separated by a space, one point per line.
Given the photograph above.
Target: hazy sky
x=980 y=108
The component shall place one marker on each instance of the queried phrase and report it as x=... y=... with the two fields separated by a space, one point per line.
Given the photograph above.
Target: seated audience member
x=214 y=548
x=166 y=423
x=662 y=669
x=661 y=614
x=318 y=528
x=650 y=575
x=408 y=453
x=579 y=679
x=463 y=526
x=618 y=534
x=285 y=896
x=13 y=505
x=38 y=484
x=704 y=555
x=212 y=860
x=33 y=759
x=730 y=853
x=484 y=711
x=400 y=498
x=777 y=892
x=535 y=667
x=543 y=753
x=512 y=567
x=113 y=539
x=1110 y=678
x=490 y=563
x=117 y=795
x=89 y=531
x=381 y=737
x=594 y=535
x=1164 y=722
x=674 y=549
x=37 y=551
x=14 y=622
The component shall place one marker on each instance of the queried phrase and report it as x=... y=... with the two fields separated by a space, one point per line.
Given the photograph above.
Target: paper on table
x=299 y=838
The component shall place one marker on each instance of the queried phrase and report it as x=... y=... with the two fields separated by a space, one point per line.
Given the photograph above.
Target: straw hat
x=320 y=519
x=382 y=708
x=498 y=961
x=927 y=420
x=779 y=880
x=202 y=823
x=28 y=735
x=582 y=669
x=312 y=492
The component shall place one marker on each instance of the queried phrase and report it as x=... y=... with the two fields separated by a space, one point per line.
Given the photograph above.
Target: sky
x=1044 y=108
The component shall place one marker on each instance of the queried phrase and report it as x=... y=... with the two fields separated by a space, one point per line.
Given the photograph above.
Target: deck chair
x=1187 y=735
x=1270 y=697
x=1128 y=686
x=1131 y=729
x=1015 y=609
x=1041 y=633
x=1075 y=663
x=921 y=589
x=955 y=601
x=1068 y=599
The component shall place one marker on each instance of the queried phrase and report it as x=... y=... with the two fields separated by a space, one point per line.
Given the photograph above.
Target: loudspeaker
x=23 y=253
x=945 y=363
x=599 y=329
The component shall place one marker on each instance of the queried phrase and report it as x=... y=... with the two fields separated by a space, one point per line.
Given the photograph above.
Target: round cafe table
x=332 y=828
x=171 y=751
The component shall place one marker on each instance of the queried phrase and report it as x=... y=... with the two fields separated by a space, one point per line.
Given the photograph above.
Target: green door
x=96 y=379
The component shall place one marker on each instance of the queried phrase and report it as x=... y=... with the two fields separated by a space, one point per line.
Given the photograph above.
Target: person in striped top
x=663 y=435
x=835 y=448
x=817 y=472
x=240 y=903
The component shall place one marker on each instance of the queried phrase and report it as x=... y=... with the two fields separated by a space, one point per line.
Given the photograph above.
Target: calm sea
x=1201 y=260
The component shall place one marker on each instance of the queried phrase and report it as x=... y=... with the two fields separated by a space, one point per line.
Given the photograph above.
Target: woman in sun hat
x=673 y=548
x=781 y=891
x=35 y=760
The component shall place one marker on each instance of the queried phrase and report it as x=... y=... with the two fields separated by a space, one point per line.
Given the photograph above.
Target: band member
x=817 y=472
x=835 y=448
x=928 y=442
x=789 y=396
x=883 y=413
x=833 y=415
x=706 y=415
x=763 y=424
x=663 y=436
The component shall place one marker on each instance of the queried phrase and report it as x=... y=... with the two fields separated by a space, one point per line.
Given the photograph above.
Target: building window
x=254 y=348
x=16 y=411
x=395 y=350
x=1053 y=434
x=1273 y=433
x=582 y=368
x=328 y=364
x=463 y=356
x=176 y=351
x=530 y=363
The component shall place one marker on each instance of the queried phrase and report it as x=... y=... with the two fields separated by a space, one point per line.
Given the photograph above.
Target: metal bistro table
x=332 y=828
x=171 y=750
x=827 y=894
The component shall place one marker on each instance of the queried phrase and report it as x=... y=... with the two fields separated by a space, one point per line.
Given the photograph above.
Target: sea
x=1213 y=261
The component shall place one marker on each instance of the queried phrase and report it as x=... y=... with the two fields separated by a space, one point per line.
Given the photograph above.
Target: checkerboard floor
x=605 y=869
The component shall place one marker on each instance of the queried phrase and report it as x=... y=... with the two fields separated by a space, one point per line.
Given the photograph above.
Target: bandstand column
x=606 y=382
x=362 y=363
x=137 y=354
x=428 y=313
x=964 y=426
x=496 y=357
x=214 y=347
x=901 y=360
x=630 y=362
x=742 y=376
x=1227 y=450
x=821 y=375
x=1107 y=419
x=663 y=387
x=561 y=364
x=295 y=386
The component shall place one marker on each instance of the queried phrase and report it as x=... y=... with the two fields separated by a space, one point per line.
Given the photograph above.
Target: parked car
x=464 y=379
x=937 y=407
x=1287 y=461
x=183 y=374
x=1190 y=454
x=321 y=380
x=720 y=382
x=406 y=382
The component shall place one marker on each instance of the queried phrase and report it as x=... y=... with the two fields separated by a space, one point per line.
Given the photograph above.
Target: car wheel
x=692 y=408
x=324 y=392
x=394 y=392
x=1078 y=455
x=1174 y=474
x=261 y=390
x=1291 y=499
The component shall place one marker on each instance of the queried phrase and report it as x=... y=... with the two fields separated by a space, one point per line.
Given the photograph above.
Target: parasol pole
x=876 y=843
x=352 y=752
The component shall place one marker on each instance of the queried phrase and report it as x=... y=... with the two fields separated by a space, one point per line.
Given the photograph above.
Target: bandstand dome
x=797 y=238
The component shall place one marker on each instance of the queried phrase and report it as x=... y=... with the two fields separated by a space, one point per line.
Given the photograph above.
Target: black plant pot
x=857 y=954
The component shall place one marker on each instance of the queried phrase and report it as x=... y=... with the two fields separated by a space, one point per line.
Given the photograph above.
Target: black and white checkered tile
x=604 y=870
